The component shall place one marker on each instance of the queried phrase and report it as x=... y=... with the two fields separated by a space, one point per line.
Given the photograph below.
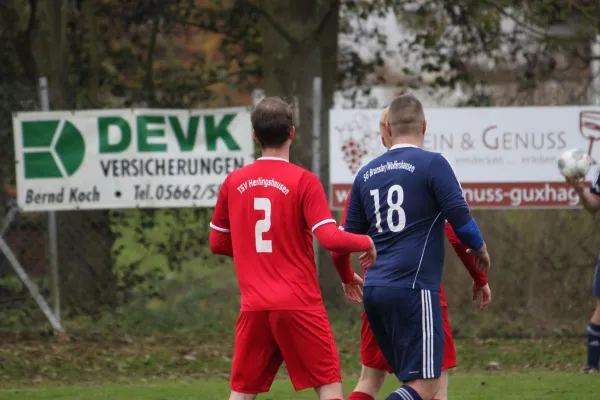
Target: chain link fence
x=151 y=270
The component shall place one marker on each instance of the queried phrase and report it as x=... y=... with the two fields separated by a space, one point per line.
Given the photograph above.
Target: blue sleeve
x=449 y=196
x=356 y=218
x=595 y=189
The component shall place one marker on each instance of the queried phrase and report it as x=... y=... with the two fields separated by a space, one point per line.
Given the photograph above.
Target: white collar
x=402 y=145
x=272 y=158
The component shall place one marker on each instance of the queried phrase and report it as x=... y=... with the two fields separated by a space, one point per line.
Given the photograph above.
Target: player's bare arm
x=589 y=200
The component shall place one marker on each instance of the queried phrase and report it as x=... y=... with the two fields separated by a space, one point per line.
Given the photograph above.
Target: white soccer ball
x=574 y=163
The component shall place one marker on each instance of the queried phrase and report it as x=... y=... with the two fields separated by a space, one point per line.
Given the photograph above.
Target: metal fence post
x=316 y=144
x=595 y=71
x=52 y=227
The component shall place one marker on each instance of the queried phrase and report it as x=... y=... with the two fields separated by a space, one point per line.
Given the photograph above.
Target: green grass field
x=463 y=387
x=194 y=366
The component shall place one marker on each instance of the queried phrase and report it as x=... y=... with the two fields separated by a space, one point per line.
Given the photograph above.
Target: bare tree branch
x=334 y=8
x=269 y=18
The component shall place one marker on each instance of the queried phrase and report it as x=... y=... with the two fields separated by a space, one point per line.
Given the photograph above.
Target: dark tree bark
x=294 y=53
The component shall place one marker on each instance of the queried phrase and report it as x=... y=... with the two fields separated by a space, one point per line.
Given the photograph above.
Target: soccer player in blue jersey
x=401 y=200
x=590 y=199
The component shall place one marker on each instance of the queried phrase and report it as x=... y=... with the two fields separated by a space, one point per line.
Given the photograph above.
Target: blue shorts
x=408 y=326
x=596 y=287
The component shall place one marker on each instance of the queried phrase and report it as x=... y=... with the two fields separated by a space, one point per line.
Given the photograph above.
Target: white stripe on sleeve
x=217 y=228
x=325 y=221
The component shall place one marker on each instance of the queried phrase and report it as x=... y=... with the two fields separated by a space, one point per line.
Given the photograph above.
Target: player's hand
x=486 y=295
x=353 y=290
x=367 y=259
x=482 y=258
x=577 y=183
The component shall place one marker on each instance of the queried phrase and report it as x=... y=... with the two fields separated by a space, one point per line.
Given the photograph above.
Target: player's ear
x=254 y=136
x=388 y=128
x=292 y=132
x=424 y=127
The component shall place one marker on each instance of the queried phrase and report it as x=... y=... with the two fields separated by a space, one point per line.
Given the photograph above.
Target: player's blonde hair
x=383 y=121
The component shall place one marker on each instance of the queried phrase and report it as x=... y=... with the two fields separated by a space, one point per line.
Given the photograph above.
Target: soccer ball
x=574 y=163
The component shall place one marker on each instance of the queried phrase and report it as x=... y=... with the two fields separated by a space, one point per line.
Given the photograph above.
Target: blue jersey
x=595 y=189
x=401 y=199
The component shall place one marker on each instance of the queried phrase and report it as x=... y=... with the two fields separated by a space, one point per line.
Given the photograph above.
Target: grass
x=94 y=359
x=464 y=387
x=195 y=365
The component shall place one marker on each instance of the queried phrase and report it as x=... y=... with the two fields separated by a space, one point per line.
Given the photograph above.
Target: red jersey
x=271 y=207
x=460 y=249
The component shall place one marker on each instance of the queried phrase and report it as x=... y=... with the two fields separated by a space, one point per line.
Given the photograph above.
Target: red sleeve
x=220 y=218
x=341 y=261
x=220 y=243
x=315 y=207
x=334 y=239
x=468 y=260
x=317 y=215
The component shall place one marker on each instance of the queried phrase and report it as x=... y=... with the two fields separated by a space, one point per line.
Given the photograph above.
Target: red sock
x=360 y=396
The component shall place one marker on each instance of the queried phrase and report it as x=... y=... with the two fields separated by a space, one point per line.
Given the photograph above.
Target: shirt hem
x=309 y=308
x=403 y=286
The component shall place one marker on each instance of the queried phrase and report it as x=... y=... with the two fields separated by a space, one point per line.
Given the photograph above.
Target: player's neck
x=408 y=139
x=277 y=153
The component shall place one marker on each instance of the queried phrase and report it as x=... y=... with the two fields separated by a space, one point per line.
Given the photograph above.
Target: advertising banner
x=503 y=157
x=107 y=159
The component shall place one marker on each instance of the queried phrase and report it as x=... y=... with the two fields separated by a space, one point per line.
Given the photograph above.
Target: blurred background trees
x=203 y=53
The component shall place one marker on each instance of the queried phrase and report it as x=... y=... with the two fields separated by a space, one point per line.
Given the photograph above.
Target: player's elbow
x=218 y=243
x=593 y=207
x=215 y=249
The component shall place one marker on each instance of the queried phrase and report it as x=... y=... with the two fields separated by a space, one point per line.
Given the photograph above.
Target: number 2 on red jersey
x=263 y=225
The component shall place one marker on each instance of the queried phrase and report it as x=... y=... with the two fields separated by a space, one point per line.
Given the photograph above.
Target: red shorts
x=371 y=355
x=264 y=339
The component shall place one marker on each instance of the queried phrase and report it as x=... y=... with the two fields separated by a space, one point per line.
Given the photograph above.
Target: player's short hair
x=383 y=121
x=272 y=120
x=406 y=115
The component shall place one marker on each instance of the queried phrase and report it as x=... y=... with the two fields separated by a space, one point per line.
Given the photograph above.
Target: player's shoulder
x=431 y=155
x=296 y=172
x=434 y=158
x=238 y=174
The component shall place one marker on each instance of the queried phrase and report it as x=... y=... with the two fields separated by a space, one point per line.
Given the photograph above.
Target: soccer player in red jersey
x=374 y=365
x=265 y=217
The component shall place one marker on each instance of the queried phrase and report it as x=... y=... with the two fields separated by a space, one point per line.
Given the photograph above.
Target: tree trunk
x=293 y=55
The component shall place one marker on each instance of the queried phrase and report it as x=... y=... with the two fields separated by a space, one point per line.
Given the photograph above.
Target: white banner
x=105 y=159
x=504 y=157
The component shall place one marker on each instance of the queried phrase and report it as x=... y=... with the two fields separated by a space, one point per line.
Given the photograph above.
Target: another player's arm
x=358 y=224
x=590 y=199
x=480 y=281
x=317 y=215
x=220 y=236
x=448 y=193
x=479 y=277
x=341 y=261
